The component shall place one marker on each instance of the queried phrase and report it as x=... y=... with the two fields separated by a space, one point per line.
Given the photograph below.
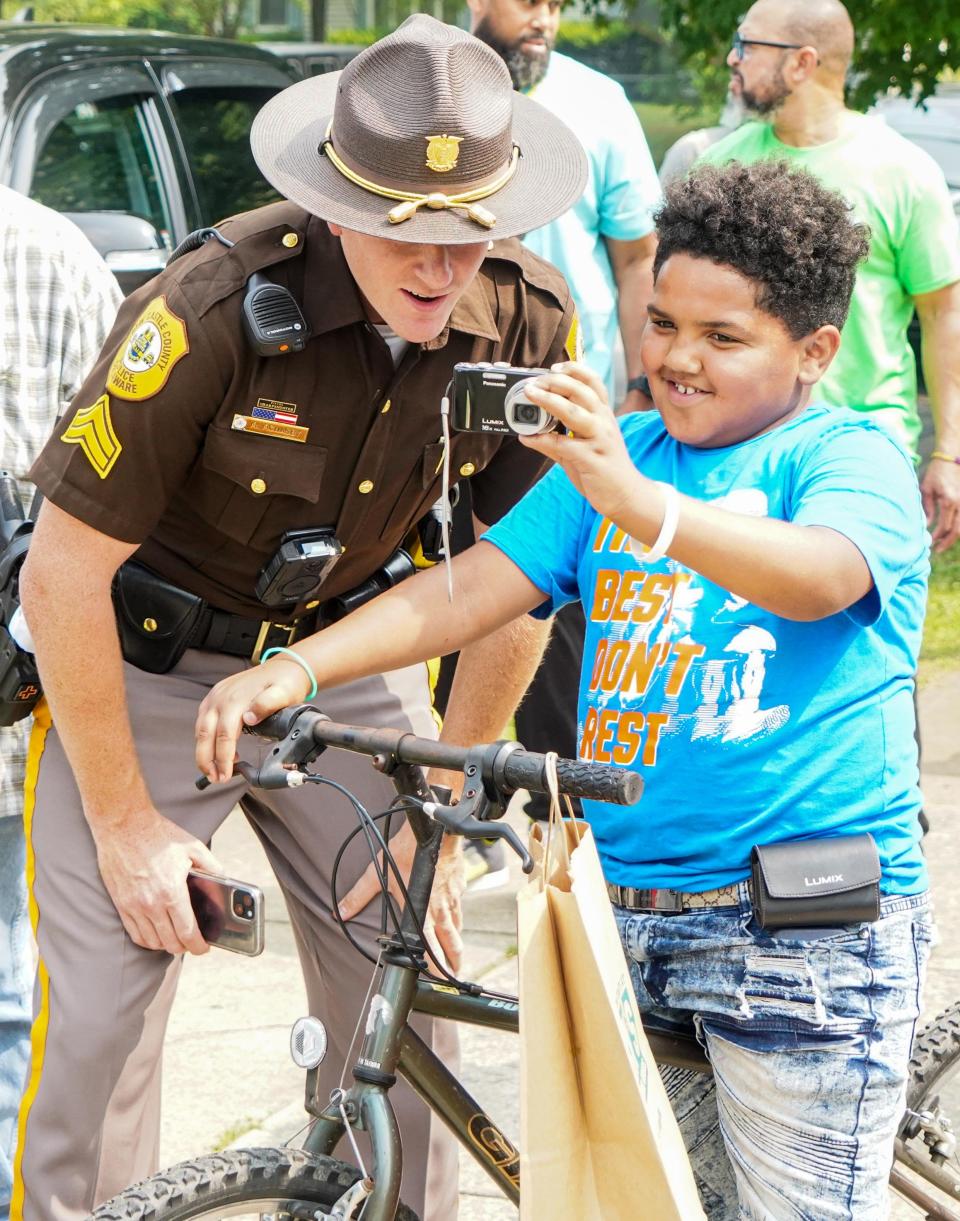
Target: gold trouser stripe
x=433 y=677
x=38 y=1036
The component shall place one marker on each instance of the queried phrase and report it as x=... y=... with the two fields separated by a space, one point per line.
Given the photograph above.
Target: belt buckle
x=265 y=627
x=665 y=900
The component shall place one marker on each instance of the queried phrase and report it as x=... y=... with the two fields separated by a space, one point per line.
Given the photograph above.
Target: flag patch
x=270 y=409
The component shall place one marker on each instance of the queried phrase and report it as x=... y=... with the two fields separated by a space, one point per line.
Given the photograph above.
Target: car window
x=319 y=65
x=214 y=124
x=100 y=158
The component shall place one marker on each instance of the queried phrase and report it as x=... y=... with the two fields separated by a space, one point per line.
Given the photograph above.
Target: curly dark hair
x=776 y=225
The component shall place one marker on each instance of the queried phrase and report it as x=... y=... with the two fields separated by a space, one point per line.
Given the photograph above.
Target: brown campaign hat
x=421 y=138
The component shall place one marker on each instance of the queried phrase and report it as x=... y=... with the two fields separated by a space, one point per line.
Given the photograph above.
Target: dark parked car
x=313 y=58
x=138 y=137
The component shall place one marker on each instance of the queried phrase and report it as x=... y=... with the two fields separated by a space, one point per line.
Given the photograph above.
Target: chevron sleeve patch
x=92 y=429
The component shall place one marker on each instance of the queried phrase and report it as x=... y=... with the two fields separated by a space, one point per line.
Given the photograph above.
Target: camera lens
x=242 y=905
x=522 y=416
x=526 y=413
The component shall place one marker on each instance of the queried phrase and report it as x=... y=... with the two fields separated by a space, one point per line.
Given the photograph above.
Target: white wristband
x=668 y=528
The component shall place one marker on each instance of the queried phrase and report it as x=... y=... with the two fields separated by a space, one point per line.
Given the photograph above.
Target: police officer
x=188 y=458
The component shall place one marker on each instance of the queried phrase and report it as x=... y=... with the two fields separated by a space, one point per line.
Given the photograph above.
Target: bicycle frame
x=391 y=1047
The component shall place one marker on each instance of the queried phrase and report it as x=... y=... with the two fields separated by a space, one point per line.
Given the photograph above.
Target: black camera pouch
x=816 y=883
x=156 y=620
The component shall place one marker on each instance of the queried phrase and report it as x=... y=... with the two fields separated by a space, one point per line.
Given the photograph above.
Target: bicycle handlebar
x=526 y=770
x=512 y=766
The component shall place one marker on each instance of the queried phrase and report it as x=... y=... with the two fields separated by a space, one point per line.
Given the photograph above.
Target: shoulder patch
x=574 y=343
x=92 y=429
x=157 y=340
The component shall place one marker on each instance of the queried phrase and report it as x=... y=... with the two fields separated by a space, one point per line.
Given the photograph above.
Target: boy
x=753 y=572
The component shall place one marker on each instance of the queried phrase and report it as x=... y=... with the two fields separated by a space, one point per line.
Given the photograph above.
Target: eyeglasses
x=740 y=42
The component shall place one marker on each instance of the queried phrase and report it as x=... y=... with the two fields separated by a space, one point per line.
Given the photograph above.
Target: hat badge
x=442 y=152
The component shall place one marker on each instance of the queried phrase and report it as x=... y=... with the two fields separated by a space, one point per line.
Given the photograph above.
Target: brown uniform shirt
x=185 y=441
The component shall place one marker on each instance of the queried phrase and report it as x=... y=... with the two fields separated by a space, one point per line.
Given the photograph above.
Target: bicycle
x=287 y=1184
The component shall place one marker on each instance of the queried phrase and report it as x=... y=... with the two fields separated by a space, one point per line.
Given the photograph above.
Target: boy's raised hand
x=593 y=452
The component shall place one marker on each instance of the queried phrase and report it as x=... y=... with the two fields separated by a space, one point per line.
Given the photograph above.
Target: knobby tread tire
x=936 y=1048
x=234 y=1177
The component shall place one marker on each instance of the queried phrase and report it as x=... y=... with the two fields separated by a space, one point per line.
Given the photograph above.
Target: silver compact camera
x=491 y=398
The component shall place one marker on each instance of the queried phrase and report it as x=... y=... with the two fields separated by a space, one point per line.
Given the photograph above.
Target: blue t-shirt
x=746 y=727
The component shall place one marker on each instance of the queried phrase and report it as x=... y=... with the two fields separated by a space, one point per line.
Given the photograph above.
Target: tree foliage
x=899 y=45
x=218 y=17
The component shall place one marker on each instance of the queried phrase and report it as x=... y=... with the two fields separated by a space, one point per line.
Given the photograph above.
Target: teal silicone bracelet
x=302 y=661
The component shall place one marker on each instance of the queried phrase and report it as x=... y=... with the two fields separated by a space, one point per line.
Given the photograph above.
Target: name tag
x=270 y=428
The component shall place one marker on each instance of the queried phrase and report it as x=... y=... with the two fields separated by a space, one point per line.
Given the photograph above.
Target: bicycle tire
x=223 y=1183
x=935 y=1054
x=933 y=1084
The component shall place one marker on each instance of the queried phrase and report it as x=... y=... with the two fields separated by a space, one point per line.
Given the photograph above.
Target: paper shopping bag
x=598 y=1139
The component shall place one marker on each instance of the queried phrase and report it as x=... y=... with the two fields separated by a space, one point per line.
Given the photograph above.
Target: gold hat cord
x=411 y=201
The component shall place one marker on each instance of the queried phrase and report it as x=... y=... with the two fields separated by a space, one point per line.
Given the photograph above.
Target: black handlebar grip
x=601 y=781
x=577 y=777
x=278 y=724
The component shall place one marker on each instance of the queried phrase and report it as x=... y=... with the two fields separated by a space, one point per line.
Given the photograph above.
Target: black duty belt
x=223 y=632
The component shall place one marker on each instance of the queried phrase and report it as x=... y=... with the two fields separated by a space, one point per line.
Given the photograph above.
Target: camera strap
x=445 y=511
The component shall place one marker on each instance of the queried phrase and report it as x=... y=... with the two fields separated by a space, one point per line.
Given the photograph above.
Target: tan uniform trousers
x=89 y=1121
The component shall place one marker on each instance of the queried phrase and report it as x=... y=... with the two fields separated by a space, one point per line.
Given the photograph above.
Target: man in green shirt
x=788 y=64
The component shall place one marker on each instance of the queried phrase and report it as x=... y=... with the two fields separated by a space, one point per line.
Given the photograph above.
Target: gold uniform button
x=290 y=240
x=365 y=487
x=385 y=408
x=258 y=486
x=149 y=625
x=468 y=468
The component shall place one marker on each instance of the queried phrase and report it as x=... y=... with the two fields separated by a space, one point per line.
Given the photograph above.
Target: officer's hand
x=940 y=488
x=243 y=699
x=144 y=863
x=445 y=916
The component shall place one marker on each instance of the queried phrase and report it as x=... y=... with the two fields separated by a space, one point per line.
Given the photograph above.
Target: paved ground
x=229 y=1078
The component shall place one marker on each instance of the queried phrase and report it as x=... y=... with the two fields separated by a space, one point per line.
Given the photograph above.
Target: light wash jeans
x=16 y=984
x=809 y=1035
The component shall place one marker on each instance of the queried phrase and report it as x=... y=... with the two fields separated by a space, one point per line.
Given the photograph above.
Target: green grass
x=664 y=124
x=234 y=1132
x=941 y=632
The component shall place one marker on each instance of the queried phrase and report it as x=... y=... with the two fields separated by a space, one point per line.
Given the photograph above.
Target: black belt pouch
x=816 y=883
x=156 y=620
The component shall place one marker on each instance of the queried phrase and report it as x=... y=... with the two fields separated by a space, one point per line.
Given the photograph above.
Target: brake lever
x=285 y=766
x=293 y=777
x=460 y=820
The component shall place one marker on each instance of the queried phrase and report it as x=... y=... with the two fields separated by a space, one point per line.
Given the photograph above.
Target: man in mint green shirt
x=788 y=64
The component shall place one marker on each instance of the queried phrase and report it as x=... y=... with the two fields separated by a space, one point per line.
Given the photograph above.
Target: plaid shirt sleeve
x=58 y=303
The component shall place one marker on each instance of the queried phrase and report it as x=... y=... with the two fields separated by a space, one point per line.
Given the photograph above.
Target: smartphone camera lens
x=242 y=905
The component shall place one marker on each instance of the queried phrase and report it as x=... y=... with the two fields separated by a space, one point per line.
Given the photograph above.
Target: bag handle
x=556 y=822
